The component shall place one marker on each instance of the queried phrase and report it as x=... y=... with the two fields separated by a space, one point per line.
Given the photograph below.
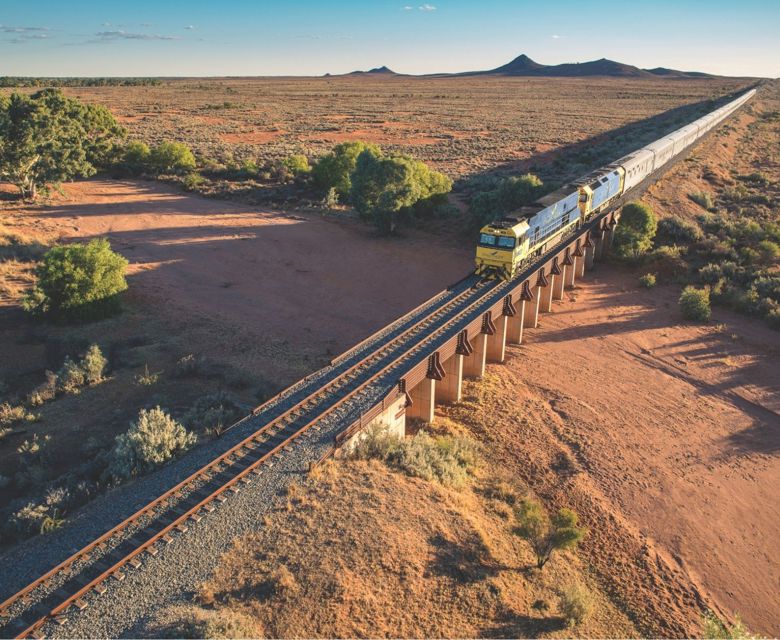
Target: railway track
x=119 y=548
x=353 y=382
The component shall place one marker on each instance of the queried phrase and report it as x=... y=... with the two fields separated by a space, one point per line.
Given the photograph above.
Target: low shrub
x=445 y=459
x=679 y=231
x=668 y=263
x=695 y=304
x=297 y=165
x=147 y=378
x=210 y=624
x=634 y=235
x=44 y=392
x=713 y=628
x=703 y=199
x=647 y=280
x=186 y=366
x=171 y=158
x=152 y=440
x=70 y=377
x=212 y=414
x=93 y=364
x=576 y=604
x=11 y=414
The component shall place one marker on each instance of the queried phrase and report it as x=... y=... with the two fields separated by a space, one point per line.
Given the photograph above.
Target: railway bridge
x=398 y=373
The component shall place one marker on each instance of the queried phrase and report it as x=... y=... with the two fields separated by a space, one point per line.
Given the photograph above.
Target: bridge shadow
x=562 y=164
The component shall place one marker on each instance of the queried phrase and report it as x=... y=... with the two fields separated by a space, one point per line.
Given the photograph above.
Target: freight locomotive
x=506 y=244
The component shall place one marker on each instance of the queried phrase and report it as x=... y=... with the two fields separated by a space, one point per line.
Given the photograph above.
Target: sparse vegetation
x=147 y=378
x=78 y=282
x=713 y=628
x=703 y=199
x=171 y=158
x=547 y=534
x=212 y=414
x=445 y=459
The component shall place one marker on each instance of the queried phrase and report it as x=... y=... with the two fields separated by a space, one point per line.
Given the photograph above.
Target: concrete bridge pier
x=423 y=398
x=450 y=388
x=590 y=252
x=531 y=315
x=579 y=261
x=569 y=263
x=514 y=329
x=496 y=343
x=559 y=283
x=474 y=364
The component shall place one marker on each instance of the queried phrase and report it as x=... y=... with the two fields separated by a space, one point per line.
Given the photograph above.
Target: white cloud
x=556 y=37
x=190 y=27
x=408 y=8
x=108 y=36
x=427 y=7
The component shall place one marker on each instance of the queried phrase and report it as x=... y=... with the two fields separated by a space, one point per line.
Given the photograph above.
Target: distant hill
x=522 y=65
x=377 y=71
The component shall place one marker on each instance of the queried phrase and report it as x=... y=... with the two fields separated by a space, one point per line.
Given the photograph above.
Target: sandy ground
x=675 y=432
x=312 y=285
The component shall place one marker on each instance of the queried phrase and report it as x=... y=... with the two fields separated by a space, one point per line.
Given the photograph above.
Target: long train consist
x=508 y=243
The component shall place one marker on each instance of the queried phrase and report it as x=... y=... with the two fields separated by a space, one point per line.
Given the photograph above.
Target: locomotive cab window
x=505 y=242
x=487 y=239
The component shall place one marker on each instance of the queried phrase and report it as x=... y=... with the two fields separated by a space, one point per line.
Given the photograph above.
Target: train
x=508 y=243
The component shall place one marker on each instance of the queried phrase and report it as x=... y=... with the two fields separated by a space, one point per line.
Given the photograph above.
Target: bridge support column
x=474 y=365
x=515 y=324
x=590 y=255
x=546 y=294
x=450 y=388
x=572 y=273
x=600 y=242
x=579 y=266
x=423 y=400
x=496 y=344
x=531 y=318
x=559 y=282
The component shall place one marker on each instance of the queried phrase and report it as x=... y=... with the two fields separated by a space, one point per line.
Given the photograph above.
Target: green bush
x=634 y=235
x=703 y=199
x=679 y=231
x=768 y=251
x=171 y=157
x=647 y=280
x=546 y=534
x=576 y=605
x=334 y=170
x=135 y=157
x=152 y=440
x=695 y=304
x=78 y=282
x=297 y=165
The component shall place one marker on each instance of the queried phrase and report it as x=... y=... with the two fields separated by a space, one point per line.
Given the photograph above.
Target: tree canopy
x=46 y=138
x=385 y=188
x=334 y=170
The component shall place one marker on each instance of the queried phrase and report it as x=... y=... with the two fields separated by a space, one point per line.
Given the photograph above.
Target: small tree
x=297 y=164
x=334 y=170
x=634 y=235
x=695 y=304
x=576 y=604
x=713 y=628
x=46 y=138
x=152 y=440
x=78 y=282
x=546 y=534
x=172 y=157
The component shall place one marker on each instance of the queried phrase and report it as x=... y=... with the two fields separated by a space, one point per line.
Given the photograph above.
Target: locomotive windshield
x=487 y=239
x=506 y=242
x=500 y=242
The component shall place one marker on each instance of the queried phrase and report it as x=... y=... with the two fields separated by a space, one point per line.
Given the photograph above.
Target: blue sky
x=244 y=37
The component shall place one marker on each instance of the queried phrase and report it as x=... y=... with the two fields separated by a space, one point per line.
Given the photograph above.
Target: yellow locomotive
x=506 y=244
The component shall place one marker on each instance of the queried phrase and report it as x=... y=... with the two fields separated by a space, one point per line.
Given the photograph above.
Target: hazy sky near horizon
x=306 y=37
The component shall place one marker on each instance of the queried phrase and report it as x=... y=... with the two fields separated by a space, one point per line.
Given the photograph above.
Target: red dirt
x=676 y=433
x=302 y=282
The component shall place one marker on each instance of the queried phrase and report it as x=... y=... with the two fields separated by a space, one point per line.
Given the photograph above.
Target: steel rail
x=203 y=471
